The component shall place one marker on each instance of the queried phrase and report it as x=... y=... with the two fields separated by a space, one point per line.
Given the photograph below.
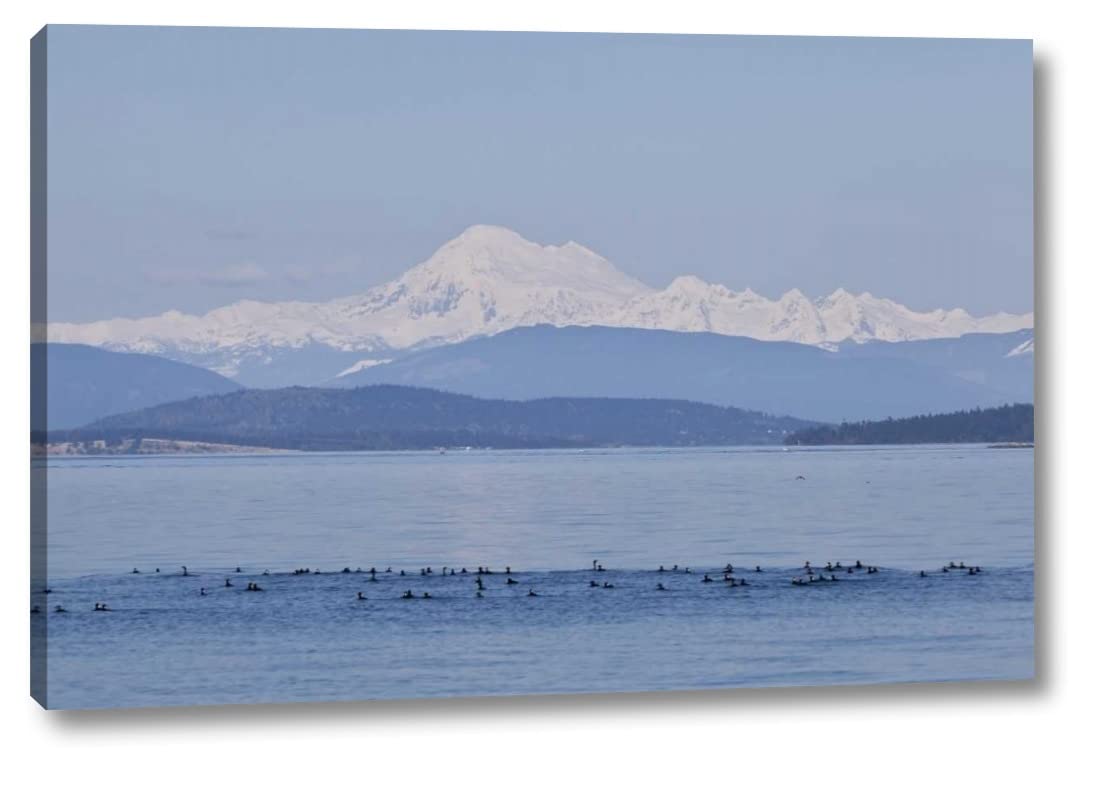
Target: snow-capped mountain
x=483 y=282
x=865 y=317
x=490 y=279
x=689 y=304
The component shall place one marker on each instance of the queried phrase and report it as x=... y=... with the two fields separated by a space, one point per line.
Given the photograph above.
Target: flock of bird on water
x=808 y=575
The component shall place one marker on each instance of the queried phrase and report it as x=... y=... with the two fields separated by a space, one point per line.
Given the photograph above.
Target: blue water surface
x=548 y=515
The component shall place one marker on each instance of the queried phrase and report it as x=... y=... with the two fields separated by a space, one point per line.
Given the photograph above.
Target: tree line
x=1012 y=423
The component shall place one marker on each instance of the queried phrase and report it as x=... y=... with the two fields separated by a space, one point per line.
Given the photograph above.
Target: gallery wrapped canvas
x=393 y=364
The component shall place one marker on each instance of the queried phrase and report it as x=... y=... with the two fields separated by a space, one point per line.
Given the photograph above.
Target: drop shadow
x=413 y=712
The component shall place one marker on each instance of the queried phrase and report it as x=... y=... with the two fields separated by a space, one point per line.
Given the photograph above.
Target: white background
x=948 y=735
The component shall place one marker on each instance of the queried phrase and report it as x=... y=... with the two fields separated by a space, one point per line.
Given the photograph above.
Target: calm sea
x=548 y=515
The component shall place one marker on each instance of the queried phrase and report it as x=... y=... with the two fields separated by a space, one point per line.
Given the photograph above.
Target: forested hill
x=388 y=417
x=1002 y=424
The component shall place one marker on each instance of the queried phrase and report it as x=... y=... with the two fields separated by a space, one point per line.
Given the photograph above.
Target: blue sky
x=192 y=167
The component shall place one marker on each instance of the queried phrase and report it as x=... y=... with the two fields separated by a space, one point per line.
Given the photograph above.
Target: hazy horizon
x=194 y=167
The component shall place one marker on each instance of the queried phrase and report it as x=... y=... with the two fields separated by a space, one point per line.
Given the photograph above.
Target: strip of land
x=1004 y=426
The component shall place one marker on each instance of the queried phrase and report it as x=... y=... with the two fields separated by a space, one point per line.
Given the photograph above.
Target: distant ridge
x=401 y=418
x=490 y=280
x=83 y=383
x=859 y=381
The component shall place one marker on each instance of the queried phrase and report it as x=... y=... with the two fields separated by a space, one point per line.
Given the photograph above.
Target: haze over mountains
x=859 y=381
x=74 y=385
x=490 y=280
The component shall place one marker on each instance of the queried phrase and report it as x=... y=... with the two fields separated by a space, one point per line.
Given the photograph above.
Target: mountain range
x=490 y=280
x=856 y=382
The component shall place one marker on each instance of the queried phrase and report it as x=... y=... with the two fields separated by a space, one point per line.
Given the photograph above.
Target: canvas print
x=403 y=364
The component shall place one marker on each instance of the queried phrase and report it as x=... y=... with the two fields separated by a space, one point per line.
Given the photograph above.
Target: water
x=548 y=514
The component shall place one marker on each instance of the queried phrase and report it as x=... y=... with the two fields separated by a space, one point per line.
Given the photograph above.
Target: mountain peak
x=503 y=266
x=838 y=295
x=689 y=283
x=490 y=234
x=794 y=295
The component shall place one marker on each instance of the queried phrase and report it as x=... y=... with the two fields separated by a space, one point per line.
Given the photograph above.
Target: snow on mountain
x=485 y=281
x=489 y=280
x=363 y=364
x=1026 y=347
x=865 y=317
x=689 y=304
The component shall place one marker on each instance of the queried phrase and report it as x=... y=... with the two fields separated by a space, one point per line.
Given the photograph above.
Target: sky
x=193 y=167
